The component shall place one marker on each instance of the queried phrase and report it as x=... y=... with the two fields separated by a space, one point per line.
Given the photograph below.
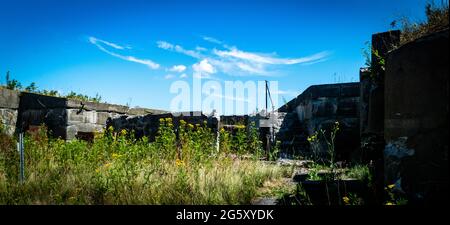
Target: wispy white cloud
x=110 y=44
x=252 y=68
x=183 y=75
x=99 y=43
x=177 y=68
x=258 y=58
x=212 y=40
x=200 y=49
x=164 y=45
x=177 y=48
x=236 y=62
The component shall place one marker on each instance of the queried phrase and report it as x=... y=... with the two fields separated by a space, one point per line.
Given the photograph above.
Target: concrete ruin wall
x=9 y=105
x=416 y=118
x=147 y=125
x=65 y=118
x=320 y=106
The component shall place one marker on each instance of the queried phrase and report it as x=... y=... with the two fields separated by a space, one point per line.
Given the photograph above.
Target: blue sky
x=130 y=52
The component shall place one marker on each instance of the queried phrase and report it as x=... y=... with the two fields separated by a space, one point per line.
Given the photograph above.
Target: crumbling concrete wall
x=91 y=116
x=9 y=105
x=35 y=110
x=147 y=125
x=416 y=118
x=68 y=118
x=319 y=107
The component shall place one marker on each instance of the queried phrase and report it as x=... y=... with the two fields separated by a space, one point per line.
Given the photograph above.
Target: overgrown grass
x=118 y=169
x=436 y=20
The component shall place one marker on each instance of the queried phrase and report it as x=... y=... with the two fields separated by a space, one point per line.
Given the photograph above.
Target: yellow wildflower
x=110 y=128
x=123 y=132
x=179 y=162
x=312 y=137
x=116 y=156
x=107 y=165
x=391 y=186
x=191 y=126
x=182 y=122
x=346 y=200
x=389 y=203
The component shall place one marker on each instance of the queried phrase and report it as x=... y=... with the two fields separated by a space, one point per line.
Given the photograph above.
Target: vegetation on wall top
x=13 y=84
x=436 y=20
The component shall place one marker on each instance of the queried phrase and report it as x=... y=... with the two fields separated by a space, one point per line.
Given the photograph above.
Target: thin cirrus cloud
x=236 y=62
x=227 y=60
x=212 y=40
x=200 y=49
x=100 y=44
x=258 y=58
x=176 y=48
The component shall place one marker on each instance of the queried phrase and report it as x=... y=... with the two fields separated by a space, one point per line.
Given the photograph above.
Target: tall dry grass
x=118 y=169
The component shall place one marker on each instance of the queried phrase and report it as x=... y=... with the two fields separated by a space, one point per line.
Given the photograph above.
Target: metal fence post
x=22 y=159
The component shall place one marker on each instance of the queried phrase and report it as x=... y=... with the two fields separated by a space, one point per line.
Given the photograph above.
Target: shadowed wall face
x=416 y=118
x=319 y=107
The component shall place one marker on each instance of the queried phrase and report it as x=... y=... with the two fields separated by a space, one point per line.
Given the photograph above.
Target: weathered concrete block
x=93 y=106
x=9 y=98
x=71 y=132
x=8 y=119
x=83 y=116
x=102 y=117
x=144 y=111
x=73 y=129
